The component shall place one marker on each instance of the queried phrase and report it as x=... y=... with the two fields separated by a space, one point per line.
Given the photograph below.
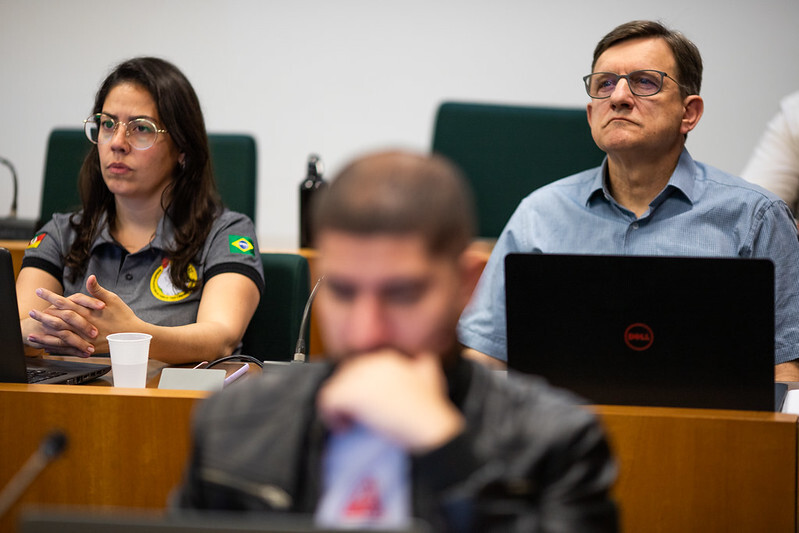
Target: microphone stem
x=7 y=163
x=51 y=447
x=22 y=480
x=299 y=350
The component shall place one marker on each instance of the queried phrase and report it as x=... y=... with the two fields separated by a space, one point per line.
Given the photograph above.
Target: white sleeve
x=774 y=164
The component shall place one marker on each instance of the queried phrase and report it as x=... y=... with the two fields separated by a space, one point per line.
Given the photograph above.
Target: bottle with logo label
x=310 y=185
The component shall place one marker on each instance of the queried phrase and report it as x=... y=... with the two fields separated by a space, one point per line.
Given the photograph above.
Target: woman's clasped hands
x=77 y=324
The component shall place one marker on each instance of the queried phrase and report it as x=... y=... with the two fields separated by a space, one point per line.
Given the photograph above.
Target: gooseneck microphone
x=11 y=227
x=300 y=349
x=49 y=449
x=6 y=162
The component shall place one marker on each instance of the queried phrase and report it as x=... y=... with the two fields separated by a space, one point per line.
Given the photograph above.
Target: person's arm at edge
x=491 y=362
x=774 y=163
x=787 y=371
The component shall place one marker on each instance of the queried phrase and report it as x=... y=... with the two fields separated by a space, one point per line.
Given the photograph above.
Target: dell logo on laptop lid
x=638 y=337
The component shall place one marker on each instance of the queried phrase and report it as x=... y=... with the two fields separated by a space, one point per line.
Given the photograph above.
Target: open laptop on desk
x=657 y=331
x=14 y=366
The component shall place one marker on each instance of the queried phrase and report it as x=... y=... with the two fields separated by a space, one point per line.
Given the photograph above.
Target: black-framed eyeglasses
x=641 y=83
x=140 y=132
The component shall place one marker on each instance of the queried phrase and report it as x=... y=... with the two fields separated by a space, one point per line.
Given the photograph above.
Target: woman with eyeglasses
x=152 y=250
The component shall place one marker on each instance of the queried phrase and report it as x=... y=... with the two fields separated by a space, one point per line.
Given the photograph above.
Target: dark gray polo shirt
x=141 y=279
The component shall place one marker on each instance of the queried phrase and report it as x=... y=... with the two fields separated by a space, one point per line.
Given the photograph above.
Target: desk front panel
x=680 y=469
x=704 y=470
x=125 y=448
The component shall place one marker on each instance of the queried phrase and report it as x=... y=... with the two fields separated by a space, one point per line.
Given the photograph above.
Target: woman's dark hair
x=190 y=200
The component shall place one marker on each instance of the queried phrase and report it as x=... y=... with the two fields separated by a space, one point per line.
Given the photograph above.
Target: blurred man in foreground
x=397 y=425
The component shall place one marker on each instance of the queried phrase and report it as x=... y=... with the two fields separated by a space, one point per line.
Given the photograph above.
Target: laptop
x=656 y=331
x=15 y=367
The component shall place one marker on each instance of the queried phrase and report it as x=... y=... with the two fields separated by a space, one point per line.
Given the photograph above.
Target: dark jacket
x=529 y=459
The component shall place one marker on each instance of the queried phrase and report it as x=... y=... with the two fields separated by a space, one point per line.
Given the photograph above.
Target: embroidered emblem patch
x=34 y=242
x=162 y=287
x=240 y=245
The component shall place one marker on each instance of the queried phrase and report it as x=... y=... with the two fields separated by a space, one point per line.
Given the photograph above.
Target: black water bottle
x=313 y=182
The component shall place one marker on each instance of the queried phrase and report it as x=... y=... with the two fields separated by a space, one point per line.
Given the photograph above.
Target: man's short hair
x=686 y=54
x=400 y=193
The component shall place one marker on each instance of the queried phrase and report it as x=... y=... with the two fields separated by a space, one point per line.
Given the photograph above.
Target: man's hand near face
x=401 y=397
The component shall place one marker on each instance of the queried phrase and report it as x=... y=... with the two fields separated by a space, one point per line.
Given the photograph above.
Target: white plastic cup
x=129 y=355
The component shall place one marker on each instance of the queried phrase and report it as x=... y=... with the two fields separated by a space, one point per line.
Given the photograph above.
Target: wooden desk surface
x=154 y=368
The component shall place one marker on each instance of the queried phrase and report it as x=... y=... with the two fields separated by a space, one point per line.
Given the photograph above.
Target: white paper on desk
x=210 y=379
x=791 y=404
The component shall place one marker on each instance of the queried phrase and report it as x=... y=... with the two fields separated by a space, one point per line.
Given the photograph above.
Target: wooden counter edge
x=104 y=391
x=684 y=412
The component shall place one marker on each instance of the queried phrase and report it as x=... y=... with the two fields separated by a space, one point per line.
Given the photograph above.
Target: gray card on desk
x=210 y=379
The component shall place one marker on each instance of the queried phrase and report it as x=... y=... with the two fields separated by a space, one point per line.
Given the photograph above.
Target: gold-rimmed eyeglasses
x=141 y=133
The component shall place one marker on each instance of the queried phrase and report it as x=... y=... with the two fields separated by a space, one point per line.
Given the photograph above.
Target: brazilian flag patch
x=240 y=245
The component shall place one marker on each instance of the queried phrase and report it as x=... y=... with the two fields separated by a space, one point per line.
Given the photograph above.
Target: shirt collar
x=103 y=234
x=164 y=234
x=684 y=176
x=683 y=179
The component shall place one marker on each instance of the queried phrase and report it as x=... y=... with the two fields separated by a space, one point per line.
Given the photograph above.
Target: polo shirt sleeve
x=775 y=238
x=482 y=325
x=232 y=247
x=47 y=249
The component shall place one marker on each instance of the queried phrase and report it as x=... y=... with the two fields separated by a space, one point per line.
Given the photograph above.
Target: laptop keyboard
x=36 y=375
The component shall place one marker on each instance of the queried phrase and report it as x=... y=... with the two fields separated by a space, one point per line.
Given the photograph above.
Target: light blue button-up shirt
x=702 y=211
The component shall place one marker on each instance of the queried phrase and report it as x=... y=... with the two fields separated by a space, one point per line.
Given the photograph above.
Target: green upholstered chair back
x=506 y=152
x=275 y=326
x=66 y=150
x=233 y=157
x=235 y=161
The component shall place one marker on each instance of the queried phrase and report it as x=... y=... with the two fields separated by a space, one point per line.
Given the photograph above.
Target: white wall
x=341 y=77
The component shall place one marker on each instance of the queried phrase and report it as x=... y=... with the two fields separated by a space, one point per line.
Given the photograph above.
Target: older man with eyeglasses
x=649 y=197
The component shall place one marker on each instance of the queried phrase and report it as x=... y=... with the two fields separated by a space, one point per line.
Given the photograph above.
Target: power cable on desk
x=245 y=358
